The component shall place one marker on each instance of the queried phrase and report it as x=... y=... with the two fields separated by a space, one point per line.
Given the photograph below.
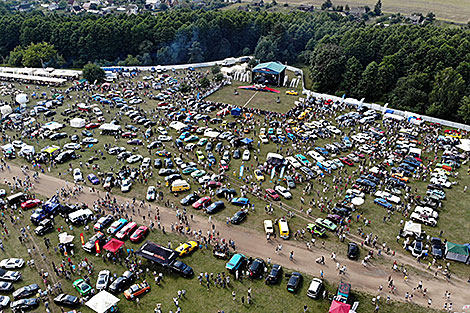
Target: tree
x=368 y=85
x=327 y=65
x=326 y=5
x=16 y=56
x=39 y=55
x=215 y=70
x=92 y=73
x=195 y=52
x=411 y=92
x=219 y=77
x=446 y=94
x=464 y=109
x=351 y=76
x=378 y=8
x=204 y=82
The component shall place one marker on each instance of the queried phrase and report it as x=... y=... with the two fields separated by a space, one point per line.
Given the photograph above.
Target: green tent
x=457 y=252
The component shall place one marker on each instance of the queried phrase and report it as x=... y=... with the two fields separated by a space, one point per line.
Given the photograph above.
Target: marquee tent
x=339 y=307
x=77 y=122
x=456 y=252
x=113 y=245
x=103 y=302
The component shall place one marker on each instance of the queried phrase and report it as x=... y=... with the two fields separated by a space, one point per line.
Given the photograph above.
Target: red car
x=92 y=125
x=346 y=161
x=139 y=234
x=162 y=104
x=214 y=184
x=31 y=203
x=201 y=203
x=272 y=194
x=129 y=135
x=223 y=165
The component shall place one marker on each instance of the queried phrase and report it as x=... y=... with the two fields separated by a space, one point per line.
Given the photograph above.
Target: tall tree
x=327 y=67
x=93 y=72
x=464 y=109
x=351 y=76
x=378 y=8
x=195 y=52
x=39 y=55
x=368 y=85
x=446 y=94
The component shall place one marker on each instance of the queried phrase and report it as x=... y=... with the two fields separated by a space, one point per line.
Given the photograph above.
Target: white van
x=268 y=227
x=80 y=216
x=293 y=162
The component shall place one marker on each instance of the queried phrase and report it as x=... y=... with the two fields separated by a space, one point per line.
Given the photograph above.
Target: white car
x=353 y=157
x=338 y=163
x=388 y=196
x=441 y=181
x=12 y=263
x=427 y=211
x=316 y=156
x=331 y=164
x=134 y=158
x=333 y=129
x=103 y=280
x=263 y=138
x=151 y=193
x=423 y=219
x=262 y=131
x=246 y=155
x=126 y=185
x=293 y=162
x=204 y=180
x=164 y=138
x=77 y=175
x=162 y=131
x=146 y=163
x=97 y=111
x=283 y=192
x=72 y=146
x=135 y=101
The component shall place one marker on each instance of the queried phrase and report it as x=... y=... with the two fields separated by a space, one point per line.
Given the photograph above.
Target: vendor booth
x=103 y=302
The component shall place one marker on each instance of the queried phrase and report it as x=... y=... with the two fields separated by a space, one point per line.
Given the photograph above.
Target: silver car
x=103 y=280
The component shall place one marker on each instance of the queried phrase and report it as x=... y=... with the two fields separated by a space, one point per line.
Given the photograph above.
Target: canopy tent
x=22 y=98
x=8 y=147
x=65 y=238
x=274 y=158
x=464 y=145
x=77 y=122
x=156 y=253
x=52 y=126
x=113 y=245
x=339 y=307
x=393 y=116
x=50 y=149
x=269 y=73
x=357 y=201
x=5 y=109
x=27 y=149
x=110 y=127
x=246 y=141
x=411 y=229
x=211 y=133
x=102 y=302
x=456 y=252
x=178 y=125
x=236 y=112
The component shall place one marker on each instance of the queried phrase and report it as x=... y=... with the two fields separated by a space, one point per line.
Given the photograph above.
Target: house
x=415 y=19
x=152 y=4
x=257 y=3
x=357 y=12
x=306 y=8
x=25 y=7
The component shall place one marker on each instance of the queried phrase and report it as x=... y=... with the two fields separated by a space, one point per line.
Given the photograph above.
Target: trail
x=252 y=243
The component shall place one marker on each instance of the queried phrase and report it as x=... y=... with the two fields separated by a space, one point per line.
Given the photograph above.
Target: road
x=252 y=243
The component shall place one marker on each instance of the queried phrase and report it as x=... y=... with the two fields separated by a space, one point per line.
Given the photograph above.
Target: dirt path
x=249 y=242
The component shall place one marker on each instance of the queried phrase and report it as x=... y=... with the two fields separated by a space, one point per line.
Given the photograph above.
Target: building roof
x=269 y=68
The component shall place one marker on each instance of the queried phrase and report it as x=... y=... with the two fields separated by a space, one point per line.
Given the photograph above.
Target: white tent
x=177 y=125
x=8 y=147
x=65 y=238
x=110 y=127
x=464 y=145
x=27 y=149
x=394 y=116
x=77 y=122
x=102 y=302
x=53 y=126
x=22 y=98
x=211 y=133
x=5 y=109
x=357 y=201
x=411 y=229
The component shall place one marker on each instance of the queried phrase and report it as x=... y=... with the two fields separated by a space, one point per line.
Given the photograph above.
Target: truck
x=49 y=209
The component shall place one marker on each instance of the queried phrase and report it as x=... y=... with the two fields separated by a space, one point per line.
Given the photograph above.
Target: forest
x=425 y=69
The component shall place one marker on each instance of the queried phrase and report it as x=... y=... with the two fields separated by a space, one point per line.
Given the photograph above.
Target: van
x=268 y=227
x=316 y=285
x=236 y=262
x=283 y=229
x=17 y=198
x=80 y=216
x=293 y=162
x=180 y=185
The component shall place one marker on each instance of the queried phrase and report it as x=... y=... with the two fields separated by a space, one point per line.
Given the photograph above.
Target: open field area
x=310 y=198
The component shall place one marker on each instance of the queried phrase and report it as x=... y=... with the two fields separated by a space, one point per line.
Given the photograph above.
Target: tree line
x=425 y=69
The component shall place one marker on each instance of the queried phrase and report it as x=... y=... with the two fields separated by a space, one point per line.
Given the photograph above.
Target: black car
x=189 y=199
x=182 y=268
x=121 y=282
x=236 y=154
x=275 y=275
x=90 y=245
x=66 y=300
x=256 y=269
x=57 y=136
x=353 y=250
x=437 y=248
x=6 y=287
x=50 y=113
x=294 y=282
x=24 y=305
x=103 y=222
x=309 y=174
x=214 y=207
x=26 y=291
x=223 y=192
x=44 y=227
x=238 y=217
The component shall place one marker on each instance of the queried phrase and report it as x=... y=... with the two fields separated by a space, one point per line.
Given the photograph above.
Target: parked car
x=294 y=282
x=274 y=275
x=67 y=300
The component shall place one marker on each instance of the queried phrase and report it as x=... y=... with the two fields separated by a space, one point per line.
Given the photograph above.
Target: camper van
x=283 y=229
x=180 y=185
x=268 y=227
x=80 y=216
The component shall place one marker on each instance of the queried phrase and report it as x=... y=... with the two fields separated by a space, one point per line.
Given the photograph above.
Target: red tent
x=113 y=245
x=339 y=307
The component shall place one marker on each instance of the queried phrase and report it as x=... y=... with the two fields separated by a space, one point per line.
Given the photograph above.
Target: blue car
x=235 y=262
x=240 y=201
x=184 y=135
x=93 y=179
x=384 y=203
x=321 y=150
x=116 y=226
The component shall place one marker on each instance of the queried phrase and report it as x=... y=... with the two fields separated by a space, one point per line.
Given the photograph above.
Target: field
x=453 y=218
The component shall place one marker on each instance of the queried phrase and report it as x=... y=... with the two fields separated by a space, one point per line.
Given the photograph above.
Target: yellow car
x=187 y=247
x=291 y=121
x=302 y=115
x=292 y=93
x=259 y=175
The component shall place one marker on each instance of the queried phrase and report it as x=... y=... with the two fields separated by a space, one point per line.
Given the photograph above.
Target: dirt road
x=252 y=243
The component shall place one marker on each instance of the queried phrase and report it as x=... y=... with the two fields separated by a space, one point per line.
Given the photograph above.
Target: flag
x=97 y=246
x=82 y=239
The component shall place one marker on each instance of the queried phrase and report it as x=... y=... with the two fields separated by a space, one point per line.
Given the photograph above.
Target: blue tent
x=247 y=141
x=236 y=112
x=389 y=111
